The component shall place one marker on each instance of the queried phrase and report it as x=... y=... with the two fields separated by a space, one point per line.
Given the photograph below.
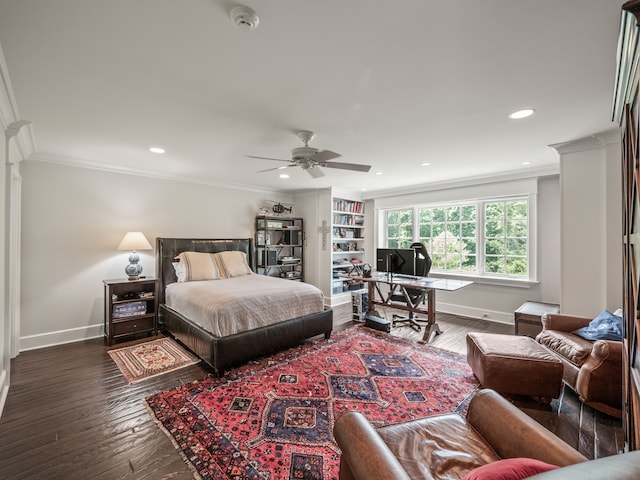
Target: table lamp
x=134 y=241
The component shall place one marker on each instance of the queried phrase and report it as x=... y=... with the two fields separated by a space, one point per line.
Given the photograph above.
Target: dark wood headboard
x=168 y=248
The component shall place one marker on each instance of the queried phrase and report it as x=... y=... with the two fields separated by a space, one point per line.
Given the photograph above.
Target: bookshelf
x=347 y=245
x=279 y=247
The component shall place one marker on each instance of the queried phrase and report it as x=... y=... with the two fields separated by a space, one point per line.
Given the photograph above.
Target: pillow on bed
x=177 y=267
x=198 y=266
x=232 y=263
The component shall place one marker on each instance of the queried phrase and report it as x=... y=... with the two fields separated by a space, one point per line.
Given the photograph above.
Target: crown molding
x=591 y=142
x=465 y=182
x=80 y=163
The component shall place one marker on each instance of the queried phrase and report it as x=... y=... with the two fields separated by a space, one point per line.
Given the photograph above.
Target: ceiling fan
x=310 y=159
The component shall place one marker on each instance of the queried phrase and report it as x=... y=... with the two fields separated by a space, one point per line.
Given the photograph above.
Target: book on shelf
x=350 y=206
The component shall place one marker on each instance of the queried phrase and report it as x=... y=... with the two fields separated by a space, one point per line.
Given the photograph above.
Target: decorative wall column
x=13 y=212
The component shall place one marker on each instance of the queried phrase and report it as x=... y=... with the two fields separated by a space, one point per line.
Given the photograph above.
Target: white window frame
x=480 y=275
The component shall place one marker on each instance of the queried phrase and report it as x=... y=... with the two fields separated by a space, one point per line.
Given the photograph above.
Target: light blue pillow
x=605 y=326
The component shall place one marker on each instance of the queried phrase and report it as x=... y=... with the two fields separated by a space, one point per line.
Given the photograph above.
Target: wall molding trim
x=592 y=142
x=464 y=182
x=60 y=337
x=103 y=167
x=480 y=314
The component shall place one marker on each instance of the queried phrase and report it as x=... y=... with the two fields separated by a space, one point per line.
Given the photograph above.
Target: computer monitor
x=396 y=260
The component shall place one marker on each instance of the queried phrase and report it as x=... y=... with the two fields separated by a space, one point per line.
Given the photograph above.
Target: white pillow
x=232 y=263
x=177 y=267
x=198 y=266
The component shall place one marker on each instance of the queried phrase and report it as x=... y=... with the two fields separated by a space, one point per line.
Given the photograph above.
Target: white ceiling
x=387 y=83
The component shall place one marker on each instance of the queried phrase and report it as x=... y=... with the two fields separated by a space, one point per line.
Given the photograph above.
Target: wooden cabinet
x=626 y=111
x=130 y=308
x=279 y=247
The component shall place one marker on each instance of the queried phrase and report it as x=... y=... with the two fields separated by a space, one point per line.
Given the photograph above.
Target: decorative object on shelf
x=134 y=241
x=279 y=208
x=366 y=270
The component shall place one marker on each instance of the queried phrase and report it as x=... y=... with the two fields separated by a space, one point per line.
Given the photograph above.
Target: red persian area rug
x=144 y=360
x=273 y=418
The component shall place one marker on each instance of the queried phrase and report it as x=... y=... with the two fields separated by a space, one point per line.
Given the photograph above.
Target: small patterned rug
x=273 y=418
x=145 y=360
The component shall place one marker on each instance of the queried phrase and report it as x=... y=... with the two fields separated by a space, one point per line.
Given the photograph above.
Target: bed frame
x=222 y=352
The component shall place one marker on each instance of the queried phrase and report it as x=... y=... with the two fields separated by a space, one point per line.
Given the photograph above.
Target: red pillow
x=509 y=469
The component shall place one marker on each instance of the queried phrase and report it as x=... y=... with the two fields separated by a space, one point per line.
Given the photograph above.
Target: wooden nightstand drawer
x=134 y=325
x=130 y=308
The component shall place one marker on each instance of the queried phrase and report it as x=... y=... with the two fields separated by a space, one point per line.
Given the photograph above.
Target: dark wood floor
x=70 y=414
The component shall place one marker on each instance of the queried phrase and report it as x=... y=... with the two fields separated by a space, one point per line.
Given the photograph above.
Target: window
x=485 y=237
x=506 y=237
x=399 y=228
x=449 y=233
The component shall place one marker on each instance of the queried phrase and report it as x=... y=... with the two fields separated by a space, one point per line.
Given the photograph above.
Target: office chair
x=423 y=266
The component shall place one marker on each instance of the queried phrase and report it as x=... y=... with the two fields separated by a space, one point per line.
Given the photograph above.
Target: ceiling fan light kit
x=244 y=18
x=310 y=159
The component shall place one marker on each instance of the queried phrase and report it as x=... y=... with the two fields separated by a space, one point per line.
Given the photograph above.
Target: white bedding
x=234 y=305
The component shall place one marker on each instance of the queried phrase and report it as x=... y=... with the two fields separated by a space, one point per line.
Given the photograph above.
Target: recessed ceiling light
x=425 y=164
x=526 y=163
x=284 y=175
x=527 y=112
x=378 y=173
x=157 y=150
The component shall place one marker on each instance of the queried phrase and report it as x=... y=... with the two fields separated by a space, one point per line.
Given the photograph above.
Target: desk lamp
x=134 y=241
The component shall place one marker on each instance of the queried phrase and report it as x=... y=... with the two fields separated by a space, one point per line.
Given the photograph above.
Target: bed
x=219 y=347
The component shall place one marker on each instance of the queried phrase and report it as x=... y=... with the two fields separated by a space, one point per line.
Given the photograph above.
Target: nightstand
x=130 y=308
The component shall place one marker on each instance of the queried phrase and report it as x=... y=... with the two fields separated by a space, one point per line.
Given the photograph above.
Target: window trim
x=488 y=278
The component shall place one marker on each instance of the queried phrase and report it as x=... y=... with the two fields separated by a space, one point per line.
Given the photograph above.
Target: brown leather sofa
x=592 y=368
x=447 y=446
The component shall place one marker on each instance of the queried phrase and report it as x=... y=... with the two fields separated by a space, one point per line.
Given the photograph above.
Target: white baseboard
x=480 y=314
x=60 y=337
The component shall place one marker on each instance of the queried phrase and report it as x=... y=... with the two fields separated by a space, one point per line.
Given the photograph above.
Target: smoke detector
x=244 y=18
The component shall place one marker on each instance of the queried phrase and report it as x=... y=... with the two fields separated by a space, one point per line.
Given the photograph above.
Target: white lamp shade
x=134 y=241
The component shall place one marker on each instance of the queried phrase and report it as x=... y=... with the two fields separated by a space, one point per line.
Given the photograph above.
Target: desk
x=398 y=284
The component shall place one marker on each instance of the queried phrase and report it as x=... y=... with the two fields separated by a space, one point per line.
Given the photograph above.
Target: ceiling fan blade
x=315 y=172
x=324 y=155
x=276 y=168
x=348 y=166
x=267 y=158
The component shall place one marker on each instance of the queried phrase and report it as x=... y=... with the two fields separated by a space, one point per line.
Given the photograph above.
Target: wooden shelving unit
x=280 y=247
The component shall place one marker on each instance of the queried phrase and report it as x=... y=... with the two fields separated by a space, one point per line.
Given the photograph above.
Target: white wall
x=591 y=242
x=72 y=222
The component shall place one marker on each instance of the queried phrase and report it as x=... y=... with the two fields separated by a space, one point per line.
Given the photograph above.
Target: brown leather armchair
x=446 y=446
x=592 y=368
